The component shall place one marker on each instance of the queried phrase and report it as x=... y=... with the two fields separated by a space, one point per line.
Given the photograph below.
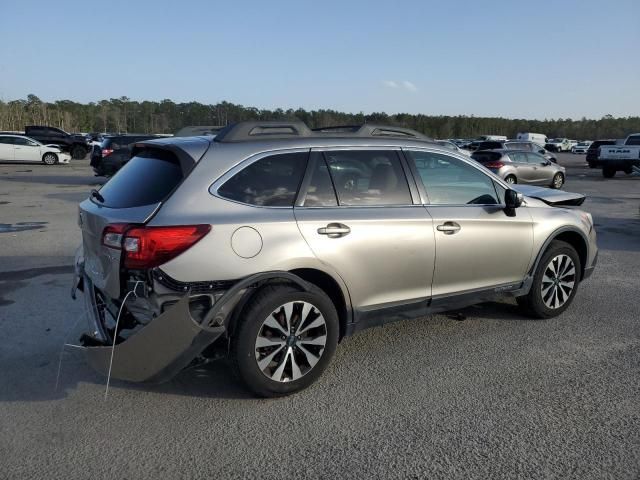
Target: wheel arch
x=334 y=291
x=573 y=237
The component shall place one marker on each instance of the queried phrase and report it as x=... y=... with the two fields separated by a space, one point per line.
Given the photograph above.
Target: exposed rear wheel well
x=326 y=283
x=576 y=241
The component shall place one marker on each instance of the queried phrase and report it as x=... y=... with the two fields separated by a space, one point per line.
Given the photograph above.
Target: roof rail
x=257 y=130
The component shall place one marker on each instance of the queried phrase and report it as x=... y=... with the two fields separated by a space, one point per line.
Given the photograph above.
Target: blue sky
x=518 y=59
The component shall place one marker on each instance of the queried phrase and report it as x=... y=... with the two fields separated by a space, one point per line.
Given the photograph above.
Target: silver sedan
x=528 y=168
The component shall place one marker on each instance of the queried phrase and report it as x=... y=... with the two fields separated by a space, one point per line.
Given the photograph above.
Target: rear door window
x=146 y=179
x=518 y=157
x=320 y=191
x=368 y=177
x=272 y=181
x=535 y=159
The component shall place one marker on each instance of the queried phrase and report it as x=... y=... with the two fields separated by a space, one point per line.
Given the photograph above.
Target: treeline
x=125 y=115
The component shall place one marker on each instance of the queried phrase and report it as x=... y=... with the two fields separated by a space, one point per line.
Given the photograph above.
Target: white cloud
x=409 y=86
x=404 y=84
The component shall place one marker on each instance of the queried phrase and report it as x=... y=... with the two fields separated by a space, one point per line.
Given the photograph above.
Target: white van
x=538 y=138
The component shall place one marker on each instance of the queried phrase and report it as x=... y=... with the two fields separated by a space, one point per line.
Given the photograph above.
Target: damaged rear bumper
x=172 y=340
x=158 y=351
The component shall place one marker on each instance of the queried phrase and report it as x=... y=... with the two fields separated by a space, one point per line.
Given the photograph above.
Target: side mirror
x=512 y=200
x=546 y=163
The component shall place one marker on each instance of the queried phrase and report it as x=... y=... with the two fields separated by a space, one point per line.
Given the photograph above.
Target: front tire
x=608 y=172
x=284 y=340
x=49 y=158
x=555 y=282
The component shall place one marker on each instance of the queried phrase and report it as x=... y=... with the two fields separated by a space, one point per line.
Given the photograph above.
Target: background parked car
x=592 y=151
x=18 y=148
x=581 y=147
x=453 y=147
x=558 y=145
x=530 y=147
x=76 y=145
x=114 y=151
x=528 y=168
x=485 y=145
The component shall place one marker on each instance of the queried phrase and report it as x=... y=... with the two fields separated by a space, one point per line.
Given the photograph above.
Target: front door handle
x=335 y=230
x=449 y=228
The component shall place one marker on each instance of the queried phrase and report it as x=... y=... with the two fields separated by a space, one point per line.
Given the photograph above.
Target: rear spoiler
x=188 y=150
x=555 y=198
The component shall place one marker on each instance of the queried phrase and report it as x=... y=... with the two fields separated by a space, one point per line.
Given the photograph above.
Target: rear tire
x=511 y=179
x=288 y=361
x=608 y=172
x=555 y=282
x=628 y=170
x=49 y=158
x=558 y=181
x=78 y=152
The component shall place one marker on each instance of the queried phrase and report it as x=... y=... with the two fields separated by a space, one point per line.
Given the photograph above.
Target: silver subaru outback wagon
x=271 y=242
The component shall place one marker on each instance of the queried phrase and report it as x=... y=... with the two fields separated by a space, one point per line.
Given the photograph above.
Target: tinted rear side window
x=146 y=179
x=270 y=182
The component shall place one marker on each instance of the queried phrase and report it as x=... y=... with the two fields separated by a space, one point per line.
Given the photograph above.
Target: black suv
x=76 y=145
x=114 y=151
x=592 y=152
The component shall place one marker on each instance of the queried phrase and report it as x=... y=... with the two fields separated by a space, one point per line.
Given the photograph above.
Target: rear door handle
x=335 y=230
x=449 y=228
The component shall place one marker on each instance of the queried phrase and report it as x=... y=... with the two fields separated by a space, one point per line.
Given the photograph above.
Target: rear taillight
x=112 y=235
x=107 y=151
x=494 y=164
x=148 y=247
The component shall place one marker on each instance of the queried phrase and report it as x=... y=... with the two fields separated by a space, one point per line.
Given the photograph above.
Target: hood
x=53 y=147
x=556 y=198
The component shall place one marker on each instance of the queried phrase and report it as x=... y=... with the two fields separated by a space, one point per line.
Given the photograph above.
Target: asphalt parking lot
x=481 y=393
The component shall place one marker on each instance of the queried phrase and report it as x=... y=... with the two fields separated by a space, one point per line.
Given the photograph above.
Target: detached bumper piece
x=171 y=341
x=158 y=351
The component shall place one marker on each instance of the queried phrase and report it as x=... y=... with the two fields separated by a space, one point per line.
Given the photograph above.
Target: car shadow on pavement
x=494 y=310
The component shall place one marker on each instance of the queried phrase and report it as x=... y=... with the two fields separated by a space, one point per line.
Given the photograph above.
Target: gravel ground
x=494 y=395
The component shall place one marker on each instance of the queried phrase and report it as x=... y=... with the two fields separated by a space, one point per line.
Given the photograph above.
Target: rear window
x=490 y=145
x=633 y=140
x=484 y=157
x=146 y=179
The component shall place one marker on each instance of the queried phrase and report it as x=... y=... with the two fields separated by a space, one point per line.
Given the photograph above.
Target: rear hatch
x=132 y=196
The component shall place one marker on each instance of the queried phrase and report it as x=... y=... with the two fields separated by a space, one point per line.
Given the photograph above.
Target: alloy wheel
x=557 y=181
x=558 y=281
x=510 y=179
x=49 y=159
x=291 y=341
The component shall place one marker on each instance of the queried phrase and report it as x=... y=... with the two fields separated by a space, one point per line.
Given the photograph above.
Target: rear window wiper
x=96 y=194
